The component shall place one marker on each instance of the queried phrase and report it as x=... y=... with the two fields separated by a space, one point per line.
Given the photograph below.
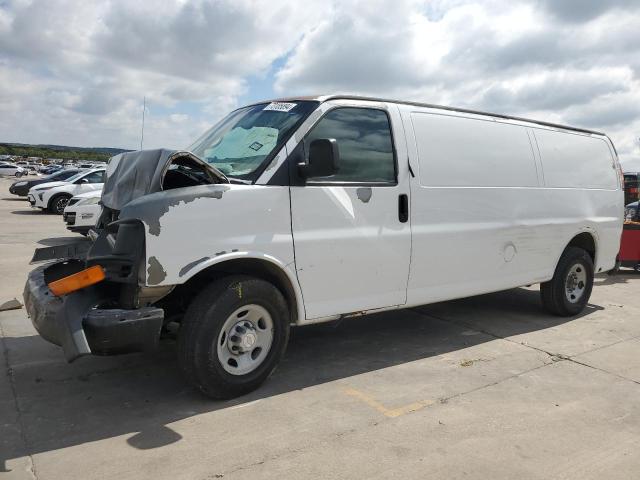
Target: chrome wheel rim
x=61 y=204
x=245 y=339
x=575 y=283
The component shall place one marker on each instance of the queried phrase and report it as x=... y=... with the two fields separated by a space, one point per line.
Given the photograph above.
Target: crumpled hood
x=133 y=174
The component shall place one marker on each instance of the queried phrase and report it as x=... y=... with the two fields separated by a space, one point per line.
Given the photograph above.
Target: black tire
x=58 y=203
x=555 y=296
x=203 y=323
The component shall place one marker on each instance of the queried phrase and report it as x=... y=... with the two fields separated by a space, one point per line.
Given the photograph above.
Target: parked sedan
x=82 y=212
x=22 y=187
x=49 y=169
x=54 y=196
x=7 y=168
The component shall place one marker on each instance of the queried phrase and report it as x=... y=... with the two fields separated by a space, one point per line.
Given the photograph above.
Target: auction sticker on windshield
x=280 y=106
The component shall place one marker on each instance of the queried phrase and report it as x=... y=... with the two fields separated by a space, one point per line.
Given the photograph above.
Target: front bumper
x=69 y=218
x=74 y=323
x=21 y=191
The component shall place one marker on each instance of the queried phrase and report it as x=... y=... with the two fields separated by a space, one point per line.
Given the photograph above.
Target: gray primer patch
x=364 y=194
x=155 y=272
x=151 y=208
x=190 y=265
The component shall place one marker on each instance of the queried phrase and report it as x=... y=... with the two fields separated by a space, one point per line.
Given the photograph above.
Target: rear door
x=351 y=232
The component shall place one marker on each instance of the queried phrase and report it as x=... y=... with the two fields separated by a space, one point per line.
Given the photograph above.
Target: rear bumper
x=74 y=324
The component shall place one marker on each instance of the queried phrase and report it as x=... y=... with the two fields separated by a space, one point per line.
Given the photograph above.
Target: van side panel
x=482 y=219
x=573 y=160
x=466 y=152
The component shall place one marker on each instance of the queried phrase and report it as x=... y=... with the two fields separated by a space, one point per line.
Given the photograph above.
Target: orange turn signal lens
x=85 y=278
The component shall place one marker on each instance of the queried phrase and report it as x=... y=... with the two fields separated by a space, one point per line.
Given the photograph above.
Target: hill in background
x=60 y=151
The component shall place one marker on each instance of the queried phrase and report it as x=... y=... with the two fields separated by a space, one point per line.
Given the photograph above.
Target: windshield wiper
x=239 y=180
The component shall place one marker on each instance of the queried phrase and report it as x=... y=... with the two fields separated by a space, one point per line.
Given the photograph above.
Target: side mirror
x=84 y=180
x=322 y=160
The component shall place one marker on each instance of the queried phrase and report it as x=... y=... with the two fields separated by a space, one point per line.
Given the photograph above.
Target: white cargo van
x=311 y=209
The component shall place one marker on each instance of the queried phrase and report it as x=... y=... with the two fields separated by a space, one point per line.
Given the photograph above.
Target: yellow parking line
x=388 y=412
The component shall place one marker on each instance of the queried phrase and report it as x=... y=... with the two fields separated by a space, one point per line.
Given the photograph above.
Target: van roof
x=324 y=98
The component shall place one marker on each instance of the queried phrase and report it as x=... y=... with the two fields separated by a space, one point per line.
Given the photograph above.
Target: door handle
x=403 y=208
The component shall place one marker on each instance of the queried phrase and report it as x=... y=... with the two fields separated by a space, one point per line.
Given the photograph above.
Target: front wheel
x=568 y=292
x=233 y=336
x=58 y=204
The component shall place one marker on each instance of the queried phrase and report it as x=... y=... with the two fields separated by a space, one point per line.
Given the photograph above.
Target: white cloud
x=529 y=58
x=75 y=71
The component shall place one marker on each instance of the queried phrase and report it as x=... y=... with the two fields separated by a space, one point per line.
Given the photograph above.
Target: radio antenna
x=144 y=107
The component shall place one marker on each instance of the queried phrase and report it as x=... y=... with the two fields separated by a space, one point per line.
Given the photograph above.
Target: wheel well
x=183 y=294
x=586 y=242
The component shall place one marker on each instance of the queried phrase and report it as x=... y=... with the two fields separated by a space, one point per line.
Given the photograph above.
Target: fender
x=567 y=241
x=193 y=268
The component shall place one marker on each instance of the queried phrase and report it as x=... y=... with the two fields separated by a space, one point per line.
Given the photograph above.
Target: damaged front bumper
x=74 y=323
x=91 y=320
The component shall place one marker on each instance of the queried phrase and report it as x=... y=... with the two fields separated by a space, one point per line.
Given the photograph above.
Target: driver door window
x=364 y=142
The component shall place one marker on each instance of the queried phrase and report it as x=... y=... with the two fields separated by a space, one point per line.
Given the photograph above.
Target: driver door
x=352 y=238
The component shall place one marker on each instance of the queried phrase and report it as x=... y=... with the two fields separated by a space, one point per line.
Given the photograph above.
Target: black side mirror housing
x=322 y=159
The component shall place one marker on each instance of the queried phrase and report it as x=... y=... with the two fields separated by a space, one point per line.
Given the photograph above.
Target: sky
x=75 y=72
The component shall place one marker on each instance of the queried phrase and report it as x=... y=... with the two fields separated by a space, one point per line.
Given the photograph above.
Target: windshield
x=75 y=177
x=240 y=143
x=61 y=175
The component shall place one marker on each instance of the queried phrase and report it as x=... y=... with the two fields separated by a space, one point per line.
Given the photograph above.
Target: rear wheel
x=568 y=292
x=233 y=336
x=58 y=203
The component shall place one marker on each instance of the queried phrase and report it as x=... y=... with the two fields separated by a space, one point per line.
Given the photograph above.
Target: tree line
x=65 y=154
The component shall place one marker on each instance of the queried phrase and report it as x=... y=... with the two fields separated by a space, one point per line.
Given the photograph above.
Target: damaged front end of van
x=93 y=296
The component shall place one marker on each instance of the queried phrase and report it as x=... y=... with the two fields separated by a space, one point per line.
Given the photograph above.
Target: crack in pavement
x=555 y=357
x=21 y=425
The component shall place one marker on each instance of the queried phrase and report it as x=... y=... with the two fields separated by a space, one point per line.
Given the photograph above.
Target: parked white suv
x=8 y=168
x=308 y=210
x=82 y=211
x=54 y=196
